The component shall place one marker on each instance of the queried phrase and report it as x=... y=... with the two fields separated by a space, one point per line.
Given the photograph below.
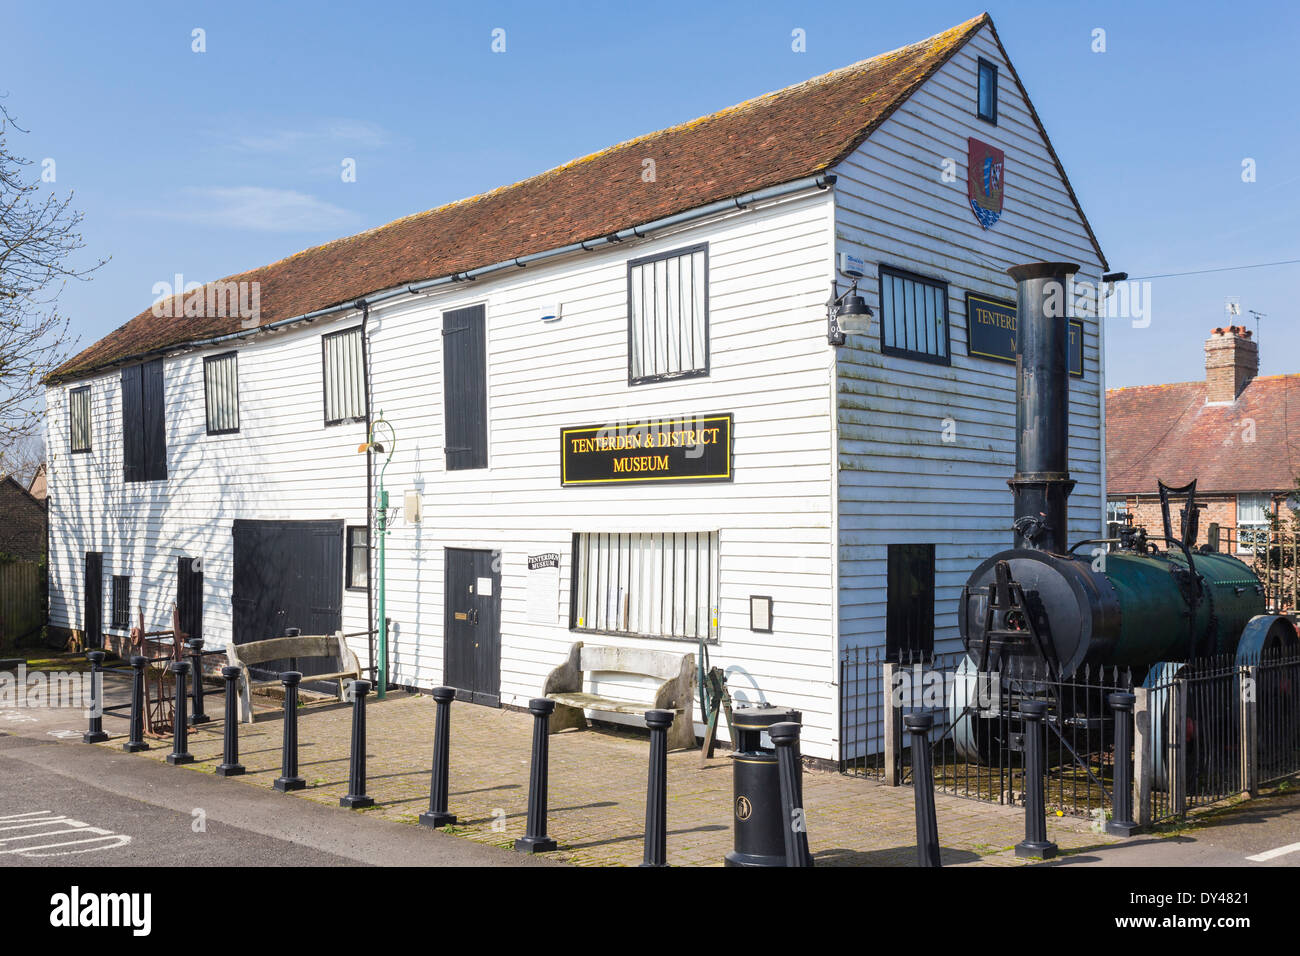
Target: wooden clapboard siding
x=770 y=366
x=838 y=453
x=283 y=464
x=898 y=480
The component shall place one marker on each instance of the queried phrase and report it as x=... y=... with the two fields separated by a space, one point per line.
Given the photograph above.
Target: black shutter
x=132 y=425
x=155 y=428
x=909 y=613
x=464 y=373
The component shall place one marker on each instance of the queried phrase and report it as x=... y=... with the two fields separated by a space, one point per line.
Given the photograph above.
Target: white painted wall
x=770 y=367
x=284 y=464
x=899 y=481
x=816 y=497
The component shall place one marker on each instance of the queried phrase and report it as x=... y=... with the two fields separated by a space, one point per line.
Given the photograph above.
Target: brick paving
x=597 y=789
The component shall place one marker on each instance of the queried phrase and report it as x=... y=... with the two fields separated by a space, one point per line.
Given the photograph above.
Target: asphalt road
x=1260 y=832
x=69 y=804
x=44 y=769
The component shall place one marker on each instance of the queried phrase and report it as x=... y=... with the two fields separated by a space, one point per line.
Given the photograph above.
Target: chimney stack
x=1042 y=481
x=1231 y=361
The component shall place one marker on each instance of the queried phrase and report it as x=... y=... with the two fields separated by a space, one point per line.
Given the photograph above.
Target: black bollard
x=656 y=793
x=356 y=797
x=1035 y=842
x=927 y=826
x=196 y=660
x=180 y=726
x=1121 y=817
x=135 y=738
x=535 y=839
x=785 y=736
x=289 y=779
x=437 y=815
x=230 y=765
x=95 y=731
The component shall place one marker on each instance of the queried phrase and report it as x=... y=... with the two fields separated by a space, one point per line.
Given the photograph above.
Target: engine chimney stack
x=1042 y=482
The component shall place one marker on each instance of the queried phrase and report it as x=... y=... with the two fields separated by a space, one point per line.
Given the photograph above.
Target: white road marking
x=48 y=825
x=1275 y=853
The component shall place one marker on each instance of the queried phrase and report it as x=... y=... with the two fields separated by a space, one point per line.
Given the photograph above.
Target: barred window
x=79 y=419
x=121 y=600
x=651 y=585
x=221 y=389
x=1252 y=522
x=345 y=383
x=668 y=315
x=913 y=316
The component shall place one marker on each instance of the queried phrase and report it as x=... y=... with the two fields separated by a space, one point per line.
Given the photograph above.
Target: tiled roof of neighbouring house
x=774 y=139
x=1168 y=433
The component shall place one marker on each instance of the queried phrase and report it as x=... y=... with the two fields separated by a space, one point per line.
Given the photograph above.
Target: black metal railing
x=1277 y=701
x=976 y=741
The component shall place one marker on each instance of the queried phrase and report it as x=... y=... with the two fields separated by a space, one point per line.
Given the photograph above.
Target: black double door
x=287 y=574
x=472 y=625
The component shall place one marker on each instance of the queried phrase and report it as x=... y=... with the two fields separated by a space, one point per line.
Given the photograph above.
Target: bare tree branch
x=39 y=236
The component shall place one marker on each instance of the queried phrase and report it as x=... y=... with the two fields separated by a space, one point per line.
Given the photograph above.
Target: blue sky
x=208 y=164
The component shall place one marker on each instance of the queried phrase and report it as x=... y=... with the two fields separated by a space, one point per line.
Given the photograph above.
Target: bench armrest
x=568 y=676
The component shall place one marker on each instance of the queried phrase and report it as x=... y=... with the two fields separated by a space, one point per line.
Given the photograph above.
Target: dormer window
x=986 y=98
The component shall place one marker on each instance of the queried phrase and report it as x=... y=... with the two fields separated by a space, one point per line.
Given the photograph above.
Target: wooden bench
x=245 y=656
x=564 y=685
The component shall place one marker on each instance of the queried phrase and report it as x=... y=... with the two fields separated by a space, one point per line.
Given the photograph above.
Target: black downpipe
x=1042 y=482
x=370 y=499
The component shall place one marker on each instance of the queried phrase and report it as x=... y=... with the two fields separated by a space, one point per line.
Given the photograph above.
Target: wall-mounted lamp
x=846 y=314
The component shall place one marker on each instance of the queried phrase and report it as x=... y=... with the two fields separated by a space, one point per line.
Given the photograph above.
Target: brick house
x=1236 y=434
x=22 y=521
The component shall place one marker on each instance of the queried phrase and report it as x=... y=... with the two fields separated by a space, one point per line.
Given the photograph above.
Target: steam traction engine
x=1043 y=610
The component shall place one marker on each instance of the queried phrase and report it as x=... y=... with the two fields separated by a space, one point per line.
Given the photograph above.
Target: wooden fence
x=22 y=600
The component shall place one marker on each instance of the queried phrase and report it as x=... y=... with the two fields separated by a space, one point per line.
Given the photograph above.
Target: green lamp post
x=372 y=446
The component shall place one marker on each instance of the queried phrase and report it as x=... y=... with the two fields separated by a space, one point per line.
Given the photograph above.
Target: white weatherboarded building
x=855 y=486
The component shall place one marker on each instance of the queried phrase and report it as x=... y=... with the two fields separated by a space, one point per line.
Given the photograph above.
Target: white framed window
x=1115 y=510
x=646 y=584
x=345 y=380
x=668 y=315
x=221 y=392
x=1252 y=522
x=79 y=419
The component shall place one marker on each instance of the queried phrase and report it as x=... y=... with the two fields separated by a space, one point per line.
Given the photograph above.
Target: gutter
x=819 y=181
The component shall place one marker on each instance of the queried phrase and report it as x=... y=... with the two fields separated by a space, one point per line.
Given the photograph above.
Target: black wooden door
x=464 y=376
x=472 y=625
x=909 y=609
x=189 y=597
x=287 y=574
x=92 y=623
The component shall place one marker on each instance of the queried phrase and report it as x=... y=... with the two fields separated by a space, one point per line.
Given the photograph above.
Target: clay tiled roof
x=1168 y=433
x=774 y=139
